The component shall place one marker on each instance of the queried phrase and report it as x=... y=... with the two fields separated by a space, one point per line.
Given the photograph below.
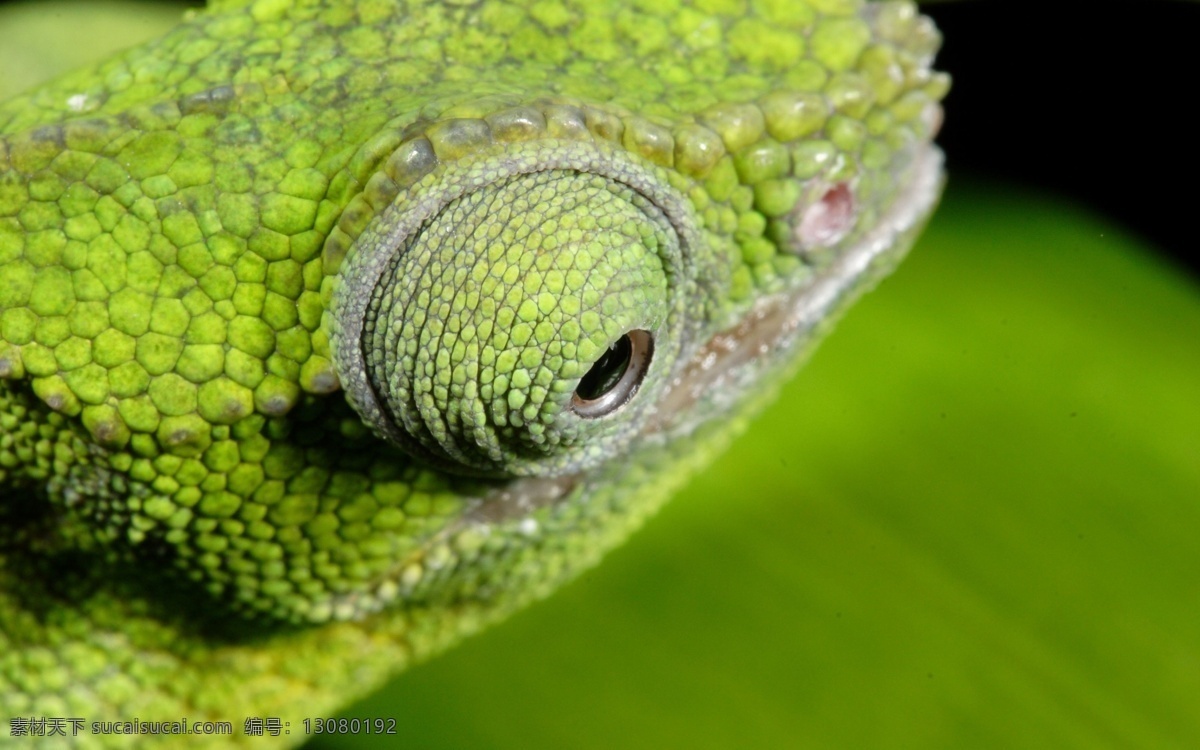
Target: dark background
x=1088 y=100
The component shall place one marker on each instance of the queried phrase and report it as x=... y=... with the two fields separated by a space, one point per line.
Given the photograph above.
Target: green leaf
x=42 y=39
x=969 y=522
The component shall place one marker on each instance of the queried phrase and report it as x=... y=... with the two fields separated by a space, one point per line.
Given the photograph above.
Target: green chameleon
x=332 y=331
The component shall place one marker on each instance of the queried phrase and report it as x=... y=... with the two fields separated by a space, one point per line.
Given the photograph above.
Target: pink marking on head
x=827 y=221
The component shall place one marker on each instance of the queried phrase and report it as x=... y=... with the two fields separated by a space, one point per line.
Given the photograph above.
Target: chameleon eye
x=521 y=315
x=615 y=377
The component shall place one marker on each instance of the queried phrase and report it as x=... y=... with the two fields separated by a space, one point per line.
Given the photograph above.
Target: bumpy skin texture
x=294 y=300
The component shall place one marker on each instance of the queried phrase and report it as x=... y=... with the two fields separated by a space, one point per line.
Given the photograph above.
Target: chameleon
x=333 y=331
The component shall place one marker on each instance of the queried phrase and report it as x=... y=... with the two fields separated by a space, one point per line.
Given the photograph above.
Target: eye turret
x=523 y=320
x=500 y=336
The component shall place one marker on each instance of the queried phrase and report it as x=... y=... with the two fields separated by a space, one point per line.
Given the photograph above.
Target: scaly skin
x=297 y=304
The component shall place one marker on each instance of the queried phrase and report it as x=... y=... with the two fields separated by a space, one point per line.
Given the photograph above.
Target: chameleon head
x=549 y=277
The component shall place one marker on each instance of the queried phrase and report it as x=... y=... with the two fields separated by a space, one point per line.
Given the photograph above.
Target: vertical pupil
x=607 y=371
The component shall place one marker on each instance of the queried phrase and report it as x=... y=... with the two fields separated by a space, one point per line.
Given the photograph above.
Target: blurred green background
x=969 y=523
